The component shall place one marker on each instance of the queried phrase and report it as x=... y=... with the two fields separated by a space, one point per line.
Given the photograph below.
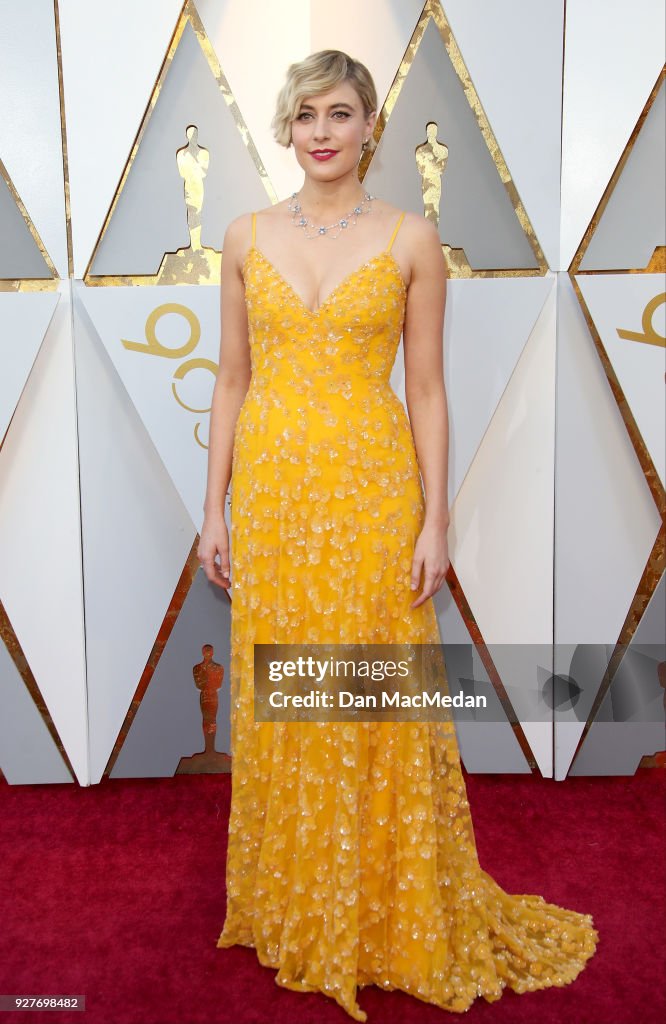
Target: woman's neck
x=330 y=199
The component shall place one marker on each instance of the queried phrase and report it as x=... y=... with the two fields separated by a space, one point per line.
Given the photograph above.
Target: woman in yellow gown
x=351 y=854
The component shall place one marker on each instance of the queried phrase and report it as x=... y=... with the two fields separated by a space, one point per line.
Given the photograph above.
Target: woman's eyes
x=345 y=114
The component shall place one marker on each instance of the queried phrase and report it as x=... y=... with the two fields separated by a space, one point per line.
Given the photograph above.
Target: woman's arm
x=426 y=399
x=231 y=384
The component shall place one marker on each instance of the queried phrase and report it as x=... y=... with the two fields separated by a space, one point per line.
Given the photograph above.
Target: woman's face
x=334 y=124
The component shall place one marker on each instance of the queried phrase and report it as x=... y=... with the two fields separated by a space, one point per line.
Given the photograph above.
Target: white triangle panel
x=622 y=303
x=30 y=128
x=612 y=58
x=502 y=518
x=28 y=753
x=501 y=533
x=503 y=51
x=24 y=319
x=606 y=520
x=40 y=535
x=486 y=326
x=112 y=54
x=136 y=538
x=161 y=322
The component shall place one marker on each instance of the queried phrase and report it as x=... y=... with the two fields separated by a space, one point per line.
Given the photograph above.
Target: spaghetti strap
x=395 y=231
x=254 y=227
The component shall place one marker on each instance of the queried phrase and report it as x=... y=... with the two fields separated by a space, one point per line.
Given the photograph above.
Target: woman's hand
x=431 y=554
x=214 y=541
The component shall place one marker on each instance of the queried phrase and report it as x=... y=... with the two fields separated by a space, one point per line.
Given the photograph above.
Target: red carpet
x=117 y=892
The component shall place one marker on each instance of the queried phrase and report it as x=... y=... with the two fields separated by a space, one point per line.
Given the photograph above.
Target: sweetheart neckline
x=338 y=287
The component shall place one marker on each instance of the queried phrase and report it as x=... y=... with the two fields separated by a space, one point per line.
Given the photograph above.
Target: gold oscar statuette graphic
x=208 y=676
x=431 y=157
x=197 y=262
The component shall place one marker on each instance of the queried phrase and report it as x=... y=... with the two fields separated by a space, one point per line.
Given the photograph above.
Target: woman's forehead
x=343 y=93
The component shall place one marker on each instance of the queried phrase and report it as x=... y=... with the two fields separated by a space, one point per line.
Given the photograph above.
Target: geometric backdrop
x=533 y=137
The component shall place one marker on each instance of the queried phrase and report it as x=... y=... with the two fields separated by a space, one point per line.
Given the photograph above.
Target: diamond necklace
x=299 y=219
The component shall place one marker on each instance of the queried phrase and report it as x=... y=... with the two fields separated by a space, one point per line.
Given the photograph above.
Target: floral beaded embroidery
x=351 y=856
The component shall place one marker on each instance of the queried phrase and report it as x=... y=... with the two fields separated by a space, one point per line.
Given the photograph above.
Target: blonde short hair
x=319 y=73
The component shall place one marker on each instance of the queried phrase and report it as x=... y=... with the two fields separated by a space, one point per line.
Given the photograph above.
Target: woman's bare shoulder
x=241 y=224
x=238 y=234
x=420 y=230
x=274 y=210
x=237 y=240
x=414 y=228
x=420 y=242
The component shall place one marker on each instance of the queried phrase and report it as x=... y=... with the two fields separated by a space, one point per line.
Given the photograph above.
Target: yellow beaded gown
x=351 y=853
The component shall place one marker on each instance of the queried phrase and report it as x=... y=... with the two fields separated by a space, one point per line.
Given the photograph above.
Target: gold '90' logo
x=154 y=347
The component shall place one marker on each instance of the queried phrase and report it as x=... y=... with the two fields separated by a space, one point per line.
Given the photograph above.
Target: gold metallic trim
x=63 y=139
x=458 y=595
x=28 y=284
x=201 y=272
x=10 y=640
x=657 y=260
x=457 y=262
x=657 y=264
x=173 y=611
